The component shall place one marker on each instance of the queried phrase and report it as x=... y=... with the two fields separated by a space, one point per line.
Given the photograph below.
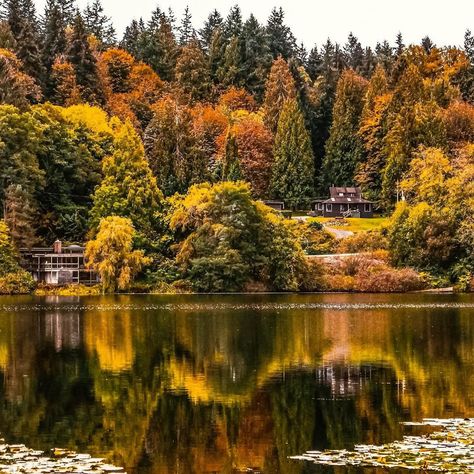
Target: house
x=58 y=265
x=276 y=205
x=344 y=202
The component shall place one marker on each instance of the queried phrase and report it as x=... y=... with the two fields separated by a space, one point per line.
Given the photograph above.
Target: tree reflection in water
x=224 y=390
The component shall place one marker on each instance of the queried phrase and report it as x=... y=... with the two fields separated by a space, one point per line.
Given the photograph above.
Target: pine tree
x=213 y=22
x=231 y=70
x=427 y=44
x=280 y=38
x=466 y=77
x=293 y=170
x=186 y=30
x=79 y=54
x=400 y=46
x=385 y=56
x=216 y=55
x=280 y=88
x=99 y=25
x=68 y=10
x=344 y=150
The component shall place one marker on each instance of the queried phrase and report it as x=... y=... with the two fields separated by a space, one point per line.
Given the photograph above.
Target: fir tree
x=79 y=54
x=353 y=53
x=313 y=64
x=257 y=58
x=131 y=37
x=400 y=46
x=213 y=22
x=233 y=23
x=344 y=149
x=293 y=170
x=280 y=38
x=186 y=30
x=231 y=71
x=54 y=40
x=99 y=25
x=216 y=55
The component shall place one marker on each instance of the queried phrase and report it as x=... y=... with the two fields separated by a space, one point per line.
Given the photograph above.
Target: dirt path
x=339 y=233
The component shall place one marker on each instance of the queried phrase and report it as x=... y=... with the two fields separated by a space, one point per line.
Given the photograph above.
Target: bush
x=390 y=280
x=17 y=283
x=363 y=242
x=314 y=240
x=69 y=290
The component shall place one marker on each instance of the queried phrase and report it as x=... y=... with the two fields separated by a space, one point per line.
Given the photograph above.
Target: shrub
x=390 y=280
x=17 y=283
x=363 y=242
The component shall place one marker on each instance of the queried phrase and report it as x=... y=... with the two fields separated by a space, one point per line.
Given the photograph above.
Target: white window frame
x=367 y=207
x=320 y=206
x=328 y=207
x=344 y=207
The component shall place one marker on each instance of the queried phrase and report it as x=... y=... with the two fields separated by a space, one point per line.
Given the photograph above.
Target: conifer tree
x=186 y=30
x=231 y=164
x=233 y=23
x=80 y=55
x=216 y=55
x=231 y=70
x=353 y=54
x=400 y=46
x=192 y=73
x=344 y=150
x=99 y=25
x=68 y=9
x=131 y=37
x=293 y=170
x=257 y=57
x=54 y=41
x=313 y=63
x=280 y=87
x=280 y=38
x=213 y=22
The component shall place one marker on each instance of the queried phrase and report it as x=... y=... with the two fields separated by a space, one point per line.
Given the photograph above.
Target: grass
x=358 y=224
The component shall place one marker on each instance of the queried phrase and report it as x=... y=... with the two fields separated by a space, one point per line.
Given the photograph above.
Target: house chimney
x=57 y=247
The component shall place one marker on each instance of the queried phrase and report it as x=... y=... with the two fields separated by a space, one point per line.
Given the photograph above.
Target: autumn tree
x=293 y=169
x=173 y=148
x=111 y=254
x=237 y=99
x=280 y=88
x=119 y=66
x=64 y=89
x=16 y=87
x=344 y=149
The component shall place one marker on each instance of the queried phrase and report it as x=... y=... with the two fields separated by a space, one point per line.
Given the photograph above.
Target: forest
x=157 y=149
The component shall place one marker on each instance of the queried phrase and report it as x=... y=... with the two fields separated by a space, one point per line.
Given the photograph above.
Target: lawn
x=358 y=224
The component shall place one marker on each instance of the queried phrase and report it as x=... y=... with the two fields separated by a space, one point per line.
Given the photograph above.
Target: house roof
x=346 y=200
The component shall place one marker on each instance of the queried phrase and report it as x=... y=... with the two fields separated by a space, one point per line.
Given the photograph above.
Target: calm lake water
x=204 y=384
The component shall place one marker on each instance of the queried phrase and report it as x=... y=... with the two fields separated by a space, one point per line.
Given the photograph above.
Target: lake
x=231 y=383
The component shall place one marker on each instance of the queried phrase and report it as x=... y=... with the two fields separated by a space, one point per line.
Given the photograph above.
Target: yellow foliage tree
x=112 y=256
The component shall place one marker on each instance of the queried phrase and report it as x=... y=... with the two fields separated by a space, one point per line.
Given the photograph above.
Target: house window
x=328 y=207
x=321 y=207
x=367 y=208
x=341 y=194
x=343 y=208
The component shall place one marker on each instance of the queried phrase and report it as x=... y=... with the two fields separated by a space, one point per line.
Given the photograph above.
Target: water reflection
x=190 y=390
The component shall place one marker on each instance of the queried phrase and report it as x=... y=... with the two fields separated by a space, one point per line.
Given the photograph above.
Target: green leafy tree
x=128 y=188
x=293 y=170
x=112 y=256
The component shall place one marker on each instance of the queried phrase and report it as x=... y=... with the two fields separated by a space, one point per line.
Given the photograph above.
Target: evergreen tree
x=80 y=55
x=216 y=55
x=313 y=63
x=99 y=25
x=131 y=37
x=233 y=23
x=7 y=41
x=192 y=73
x=280 y=38
x=369 y=63
x=68 y=10
x=293 y=170
x=465 y=78
x=257 y=57
x=54 y=40
x=213 y=22
x=427 y=44
x=400 y=46
x=231 y=72
x=186 y=30
x=385 y=56
x=280 y=88
x=231 y=164
x=344 y=150
x=353 y=53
